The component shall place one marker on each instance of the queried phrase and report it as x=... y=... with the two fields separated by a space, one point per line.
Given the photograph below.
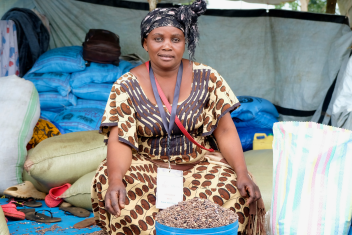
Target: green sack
x=36 y=184
x=65 y=158
x=79 y=193
x=260 y=164
x=4 y=230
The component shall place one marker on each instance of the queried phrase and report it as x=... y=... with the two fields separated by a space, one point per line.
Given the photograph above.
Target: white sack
x=20 y=110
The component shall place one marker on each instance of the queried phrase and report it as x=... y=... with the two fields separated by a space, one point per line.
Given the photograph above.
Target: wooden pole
x=331 y=6
x=152 y=4
x=304 y=5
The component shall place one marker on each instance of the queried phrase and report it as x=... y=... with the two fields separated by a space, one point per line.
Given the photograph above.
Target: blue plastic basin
x=224 y=230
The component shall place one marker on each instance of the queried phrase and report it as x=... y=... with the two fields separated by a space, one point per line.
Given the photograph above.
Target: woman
x=142 y=136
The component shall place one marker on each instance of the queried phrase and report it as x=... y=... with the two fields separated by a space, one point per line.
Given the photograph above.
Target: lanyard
x=177 y=121
x=168 y=126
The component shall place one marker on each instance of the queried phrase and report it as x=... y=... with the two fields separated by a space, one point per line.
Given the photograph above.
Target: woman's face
x=165 y=46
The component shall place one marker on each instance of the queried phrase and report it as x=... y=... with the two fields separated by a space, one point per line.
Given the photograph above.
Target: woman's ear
x=145 y=45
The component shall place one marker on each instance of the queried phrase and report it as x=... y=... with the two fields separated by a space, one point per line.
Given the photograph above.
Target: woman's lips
x=166 y=57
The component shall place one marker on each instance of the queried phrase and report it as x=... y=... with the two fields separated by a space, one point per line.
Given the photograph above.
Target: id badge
x=169 y=188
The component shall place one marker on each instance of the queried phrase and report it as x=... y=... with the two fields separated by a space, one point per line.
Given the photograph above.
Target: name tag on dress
x=169 y=188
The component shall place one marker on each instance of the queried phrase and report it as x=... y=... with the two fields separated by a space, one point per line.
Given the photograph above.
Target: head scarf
x=184 y=18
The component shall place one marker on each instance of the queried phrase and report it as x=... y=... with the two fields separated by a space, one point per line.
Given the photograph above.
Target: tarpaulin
x=289 y=58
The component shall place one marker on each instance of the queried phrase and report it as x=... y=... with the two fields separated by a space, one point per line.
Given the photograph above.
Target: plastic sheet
x=65 y=226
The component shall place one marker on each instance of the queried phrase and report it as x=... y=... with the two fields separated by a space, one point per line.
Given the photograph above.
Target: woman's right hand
x=115 y=197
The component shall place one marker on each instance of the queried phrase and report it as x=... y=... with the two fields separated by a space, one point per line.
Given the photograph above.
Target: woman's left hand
x=248 y=188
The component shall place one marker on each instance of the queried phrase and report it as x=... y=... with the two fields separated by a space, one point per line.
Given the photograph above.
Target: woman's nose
x=167 y=45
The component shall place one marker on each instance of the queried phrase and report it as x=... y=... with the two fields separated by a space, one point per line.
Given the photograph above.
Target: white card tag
x=169 y=188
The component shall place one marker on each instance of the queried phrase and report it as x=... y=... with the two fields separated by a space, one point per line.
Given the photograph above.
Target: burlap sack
x=65 y=158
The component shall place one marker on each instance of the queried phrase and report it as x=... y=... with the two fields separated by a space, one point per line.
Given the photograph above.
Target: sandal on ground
x=25 y=211
x=53 y=198
x=76 y=211
x=85 y=223
x=29 y=202
x=11 y=212
x=41 y=218
x=24 y=190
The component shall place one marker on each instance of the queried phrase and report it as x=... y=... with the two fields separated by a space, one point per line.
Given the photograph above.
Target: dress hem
x=122 y=140
x=232 y=108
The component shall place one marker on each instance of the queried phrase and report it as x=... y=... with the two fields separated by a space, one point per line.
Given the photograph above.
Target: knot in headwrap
x=184 y=18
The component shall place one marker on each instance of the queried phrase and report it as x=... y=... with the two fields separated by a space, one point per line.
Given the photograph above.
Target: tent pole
x=304 y=5
x=152 y=4
x=331 y=6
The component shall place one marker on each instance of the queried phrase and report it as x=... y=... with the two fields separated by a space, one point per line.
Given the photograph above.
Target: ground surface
x=64 y=227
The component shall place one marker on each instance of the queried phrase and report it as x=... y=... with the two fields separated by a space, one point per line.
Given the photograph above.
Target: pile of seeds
x=54 y=228
x=196 y=214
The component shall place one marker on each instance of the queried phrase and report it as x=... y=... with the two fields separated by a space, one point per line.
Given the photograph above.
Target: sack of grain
x=4 y=230
x=260 y=164
x=19 y=105
x=65 y=158
x=36 y=184
x=80 y=119
x=59 y=82
x=60 y=60
x=312 y=187
x=54 y=101
x=79 y=193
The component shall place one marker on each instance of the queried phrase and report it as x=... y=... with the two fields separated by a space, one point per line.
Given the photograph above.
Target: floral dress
x=140 y=127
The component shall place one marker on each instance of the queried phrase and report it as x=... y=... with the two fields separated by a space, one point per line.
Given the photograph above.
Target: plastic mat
x=63 y=227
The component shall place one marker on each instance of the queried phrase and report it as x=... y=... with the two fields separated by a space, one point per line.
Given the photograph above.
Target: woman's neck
x=161 y=73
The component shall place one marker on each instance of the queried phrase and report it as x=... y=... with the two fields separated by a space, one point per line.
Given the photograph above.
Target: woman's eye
x=158 y=39
x=176 y=40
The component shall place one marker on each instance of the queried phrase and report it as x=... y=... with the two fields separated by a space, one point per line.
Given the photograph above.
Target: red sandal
x=53 y=198
x=11 y=212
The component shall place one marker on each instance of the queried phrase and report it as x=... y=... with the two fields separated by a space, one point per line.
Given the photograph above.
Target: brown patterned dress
x=140 y=126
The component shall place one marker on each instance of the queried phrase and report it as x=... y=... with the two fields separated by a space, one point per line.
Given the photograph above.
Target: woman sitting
x=142 y=135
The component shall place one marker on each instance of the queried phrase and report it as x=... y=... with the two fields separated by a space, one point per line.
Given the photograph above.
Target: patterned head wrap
x=184 y=18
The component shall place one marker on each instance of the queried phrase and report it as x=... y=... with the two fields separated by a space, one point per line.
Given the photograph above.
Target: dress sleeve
x=120 y=112
x=221 y=101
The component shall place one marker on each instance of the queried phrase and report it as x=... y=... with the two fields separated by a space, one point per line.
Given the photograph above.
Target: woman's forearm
x=119 y=157
x=230 y=145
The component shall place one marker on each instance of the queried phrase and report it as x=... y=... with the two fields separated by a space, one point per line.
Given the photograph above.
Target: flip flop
x=85 y=223
x=76 y=211
x=41 y=218
x=25 y=211
x=30 y=202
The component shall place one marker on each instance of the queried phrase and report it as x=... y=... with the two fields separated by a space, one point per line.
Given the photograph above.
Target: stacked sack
x=255 y=115
x=92 y=88
x=73 y=93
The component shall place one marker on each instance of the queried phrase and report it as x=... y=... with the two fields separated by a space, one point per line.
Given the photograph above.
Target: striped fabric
x=312 y=186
